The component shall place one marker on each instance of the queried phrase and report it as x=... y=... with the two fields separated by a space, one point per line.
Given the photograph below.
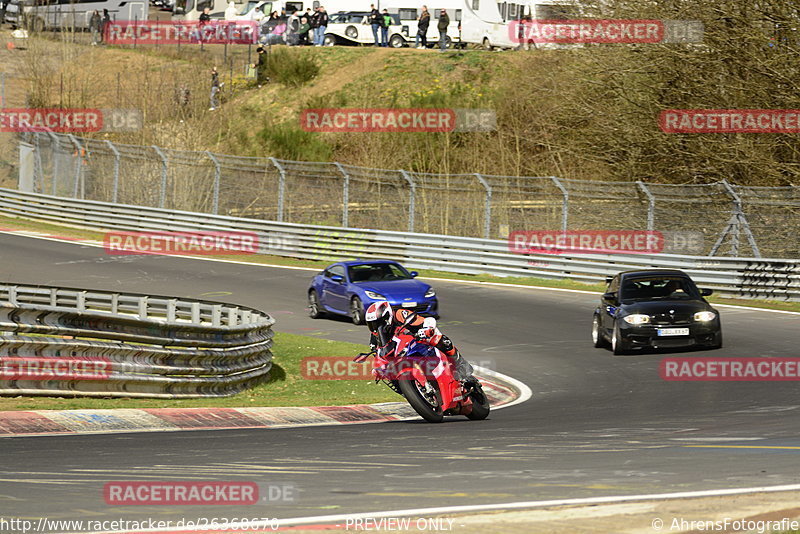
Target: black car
x=660 y=308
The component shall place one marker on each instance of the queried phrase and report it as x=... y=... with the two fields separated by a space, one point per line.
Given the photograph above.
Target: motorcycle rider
x=383 y=321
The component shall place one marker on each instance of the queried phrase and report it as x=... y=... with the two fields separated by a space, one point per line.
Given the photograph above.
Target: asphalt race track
x=596 y=424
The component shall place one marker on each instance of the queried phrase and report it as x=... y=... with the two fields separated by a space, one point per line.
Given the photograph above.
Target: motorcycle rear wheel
x=411 y=390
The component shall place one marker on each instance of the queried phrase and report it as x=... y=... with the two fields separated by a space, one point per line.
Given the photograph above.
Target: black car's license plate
x=673 y=332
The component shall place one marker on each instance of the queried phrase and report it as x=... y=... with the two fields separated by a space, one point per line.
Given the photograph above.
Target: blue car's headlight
x=373 y=295
x=430 y=293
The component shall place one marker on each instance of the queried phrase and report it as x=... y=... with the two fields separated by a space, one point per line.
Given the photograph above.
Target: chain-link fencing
x=735 y=220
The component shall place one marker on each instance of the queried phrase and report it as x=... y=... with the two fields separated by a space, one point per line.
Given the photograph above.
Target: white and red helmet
x=379 y=316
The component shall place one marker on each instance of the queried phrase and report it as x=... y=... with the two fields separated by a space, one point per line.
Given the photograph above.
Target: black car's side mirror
x=414 y=274
x=705 y=292
x=611 y=296
x=338 y=278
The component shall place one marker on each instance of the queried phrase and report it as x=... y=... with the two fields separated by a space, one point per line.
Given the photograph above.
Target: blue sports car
x=349 y=287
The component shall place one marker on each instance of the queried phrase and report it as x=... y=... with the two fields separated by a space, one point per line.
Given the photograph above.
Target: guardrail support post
x=345 y=195
x=487 y=213
x=412 y=195
x=79 y=152
x=564 y=203
x=163 y=200
x=142 y=307
x=281 y=186
x=115 y=187
x=651 y=205
x=217 y=171
x=55 y=142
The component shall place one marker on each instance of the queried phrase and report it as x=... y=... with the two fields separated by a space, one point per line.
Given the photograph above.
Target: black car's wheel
x=314 y=307
x=618 y=344
x=597 y=336
x=357 y=311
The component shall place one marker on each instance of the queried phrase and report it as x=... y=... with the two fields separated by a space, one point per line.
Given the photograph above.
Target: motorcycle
x=424 y=376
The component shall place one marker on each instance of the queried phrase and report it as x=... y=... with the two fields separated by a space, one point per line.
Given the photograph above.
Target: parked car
x=348 y=288
x=353 y=27
x=655 y=308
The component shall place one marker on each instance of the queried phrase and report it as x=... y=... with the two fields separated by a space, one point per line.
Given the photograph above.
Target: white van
x=489 y=23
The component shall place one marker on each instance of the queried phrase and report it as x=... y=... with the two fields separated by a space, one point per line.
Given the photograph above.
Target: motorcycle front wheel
x=426 y=401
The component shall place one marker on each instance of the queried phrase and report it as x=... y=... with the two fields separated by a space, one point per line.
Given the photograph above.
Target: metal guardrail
x=74 y=342
x=740 y=277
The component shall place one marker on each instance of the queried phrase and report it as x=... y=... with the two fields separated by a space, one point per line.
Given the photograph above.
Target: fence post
x=736 y=223
x=215 y=202
x=345 y=195
x=56 y=144
x=115 y=188
x=411 y=199
x=281 y=186
x=79 y=153
x=163 y=200
x=564 y=204
x=651 y=205
x=487 y=214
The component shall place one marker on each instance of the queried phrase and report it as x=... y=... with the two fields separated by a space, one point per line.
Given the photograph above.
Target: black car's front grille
x=661 y=319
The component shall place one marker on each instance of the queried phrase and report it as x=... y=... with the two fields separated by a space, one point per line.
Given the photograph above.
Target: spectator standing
x=322 y=26
x=387 y=21
x=292 y=29
x=104 y=24
x=215 y=86
x=205 y=16
x=95 y=24
x=422 y=28
x=444 y=22
x=375 y=20
x=230 y=11
x=257 y=15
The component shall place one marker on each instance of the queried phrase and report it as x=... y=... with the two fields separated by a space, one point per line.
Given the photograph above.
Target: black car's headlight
x=637 y=319
x=430 y=293
x=373 y=295
x=705 y=316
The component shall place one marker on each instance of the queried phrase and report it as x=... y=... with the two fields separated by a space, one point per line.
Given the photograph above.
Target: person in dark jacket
x=422 y=28
x=104 y=24
x=322 y=26
x=444 y=22
x=376 y=21
x=387 y=21
x=205 y=16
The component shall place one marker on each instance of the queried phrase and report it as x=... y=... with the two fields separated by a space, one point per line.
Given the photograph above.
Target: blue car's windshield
x=377 y=272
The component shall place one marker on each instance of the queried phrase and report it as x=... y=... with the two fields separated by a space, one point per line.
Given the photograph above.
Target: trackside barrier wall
x=144 y=346
x=731 y=276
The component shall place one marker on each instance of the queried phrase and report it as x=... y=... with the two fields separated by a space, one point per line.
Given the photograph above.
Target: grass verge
x=68 y=231
x=286 y=387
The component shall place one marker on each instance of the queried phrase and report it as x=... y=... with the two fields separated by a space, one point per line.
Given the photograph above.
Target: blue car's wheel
x=314 y=307
x=357 y=311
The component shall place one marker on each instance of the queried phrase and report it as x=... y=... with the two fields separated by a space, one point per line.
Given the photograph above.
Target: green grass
x=286 y=387
x=65 y=231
